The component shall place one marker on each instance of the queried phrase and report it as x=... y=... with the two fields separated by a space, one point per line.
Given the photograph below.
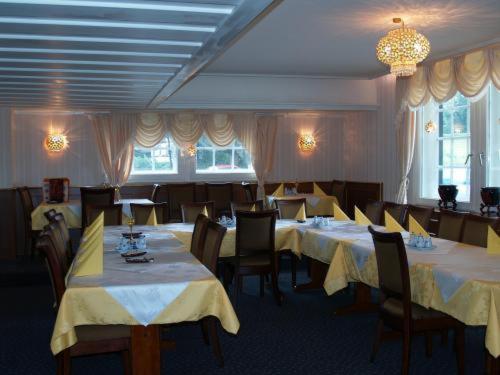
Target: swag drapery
x=469 y=74
x=116 y=134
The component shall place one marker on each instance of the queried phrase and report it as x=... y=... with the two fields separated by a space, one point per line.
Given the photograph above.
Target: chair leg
x=65 y=363
x=377 y=339
x=214 y=340
x=405 y=370
x=261 y=285
x=127 y=368
x=293 y=261
x=204 y=331
x=276 y=291
x=460 y=349
x=428 y=344
x=60 y=364
x=236 y=287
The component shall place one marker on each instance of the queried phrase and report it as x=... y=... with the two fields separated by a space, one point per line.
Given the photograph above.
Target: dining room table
x=316 y=205
x=175 y=287
x=72 y=211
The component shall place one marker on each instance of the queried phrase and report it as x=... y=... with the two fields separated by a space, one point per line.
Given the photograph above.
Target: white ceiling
x=338 y=37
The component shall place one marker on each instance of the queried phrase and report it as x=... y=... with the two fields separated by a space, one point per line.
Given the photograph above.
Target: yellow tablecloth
x=175 y=288
x=316 y=205
x=72 y=211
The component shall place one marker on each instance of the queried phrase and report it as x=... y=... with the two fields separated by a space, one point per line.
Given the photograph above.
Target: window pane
x=446 y=152
x=445 y=124
x=494 y=139
x=223 y=159
x=159 y=159
x=204 y=159
x=142 y=160
x=204 y=141
x=241 y=159
x=460 y=121
x=460 y=151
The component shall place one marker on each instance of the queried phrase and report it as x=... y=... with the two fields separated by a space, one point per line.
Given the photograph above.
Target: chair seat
x=255 y=261
x=104 y=332
x=394 y=307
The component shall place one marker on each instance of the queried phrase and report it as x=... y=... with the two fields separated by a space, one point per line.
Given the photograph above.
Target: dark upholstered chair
x=92 y=339
x=60 y=225
x=254 y=251
x=397 y=311
x=141 y=212
x=421 y=214
x=198 y=238
x=112 y=214
x=451 y=225
x=29 y=234
x=475 y=229
x=190 y=211
x=95 y=197
x=246 y=206
x=249 y=194
x=338 y=190
x=175 y=195
x=396 y=210
x=374 y=211
x=222 y=195
x=154 y=192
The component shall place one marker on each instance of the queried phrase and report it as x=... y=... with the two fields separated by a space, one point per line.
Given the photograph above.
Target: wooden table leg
x=145 y=351
x=318 y=274
x=492 y=365
x=362 y=302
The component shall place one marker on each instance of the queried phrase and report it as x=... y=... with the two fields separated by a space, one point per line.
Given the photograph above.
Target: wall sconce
x=191 y=150
x=430 y=127
x=306 y=143
x=56 y=142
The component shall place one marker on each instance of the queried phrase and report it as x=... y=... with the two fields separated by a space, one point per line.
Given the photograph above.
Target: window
x=493 y=146
x=230 y=159
x=161 y=159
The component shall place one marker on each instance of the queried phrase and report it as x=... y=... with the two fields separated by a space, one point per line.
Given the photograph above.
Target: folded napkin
x=391 y=224
x=152 y=218
x=493 y=242
x=338 y=214
x=279 y=192
x=317 y=190
x=301 y=214
x=253 y=208
x=204 y=211
x=415 y=227
x=89 y=260
x=360 y=217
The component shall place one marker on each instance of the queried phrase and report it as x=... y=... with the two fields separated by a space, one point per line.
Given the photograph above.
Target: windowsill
x=225 y=172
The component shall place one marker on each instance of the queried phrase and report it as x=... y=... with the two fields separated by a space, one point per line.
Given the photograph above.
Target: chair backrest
x=190 y=211
x=255 y=232
x=451 y=225
x=141 y=212
x=338 y=190
x=246 y=206
x=112 y=214
x=198 y=237
x=154 y=192
x=475 y=229
x=61 y=225
x=392 y=265
x=222 y=195
x=175 y=195
x=305 y=187
x=421 y=214
x=26 y=201
x=211 y=245
x=46 y=248
x=289 y=208
x=50 y=214
x=396 y=210
x=249 y=195
x=374 y=211
x=95 y=197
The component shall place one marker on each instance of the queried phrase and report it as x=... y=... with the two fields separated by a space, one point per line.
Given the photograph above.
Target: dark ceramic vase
x=448 y=194
x=491 y=198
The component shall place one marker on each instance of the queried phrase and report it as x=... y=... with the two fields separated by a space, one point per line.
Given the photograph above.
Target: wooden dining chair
x=249 y=194
x=451 y=224
x=222 y=196
x=246 y=206
x=421 y=214
x=191 y=210
x=112 y=214
x=397 y=311
x=60 y=224
x=255 y=251
x=396 y=210
x=154 y=192
x=141 y=212
x=175 y=195
x=198 y=237
x=374 y=211
x=27 y=206
x=91 y=196
x=475 y=229
x=91 y=339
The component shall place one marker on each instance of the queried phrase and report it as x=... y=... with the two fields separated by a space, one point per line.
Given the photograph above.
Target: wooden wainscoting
x=359 y=193
x=8 y=224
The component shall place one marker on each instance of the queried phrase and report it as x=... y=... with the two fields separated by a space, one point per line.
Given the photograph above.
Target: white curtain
x=114 y=134
x=263 y=152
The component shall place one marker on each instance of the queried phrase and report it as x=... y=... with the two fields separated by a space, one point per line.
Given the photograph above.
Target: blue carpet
x=301 y=337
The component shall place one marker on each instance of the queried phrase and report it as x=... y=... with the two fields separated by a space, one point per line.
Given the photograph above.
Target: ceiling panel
x=110 y=53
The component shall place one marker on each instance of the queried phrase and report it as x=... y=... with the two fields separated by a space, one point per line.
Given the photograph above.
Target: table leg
x=362 y=302
x=318 y=274
x=145 y=351
x=492 y=365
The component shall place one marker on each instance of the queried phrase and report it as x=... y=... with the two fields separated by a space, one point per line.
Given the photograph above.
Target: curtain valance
x=469 y=74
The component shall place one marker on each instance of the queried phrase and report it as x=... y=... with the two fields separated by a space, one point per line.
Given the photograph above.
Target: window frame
x=149 y=173
x=214 y=148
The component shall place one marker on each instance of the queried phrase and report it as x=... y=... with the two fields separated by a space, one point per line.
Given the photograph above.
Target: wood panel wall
x=8 y=224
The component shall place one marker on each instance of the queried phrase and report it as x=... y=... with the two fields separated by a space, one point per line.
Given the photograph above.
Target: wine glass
x=130 y=223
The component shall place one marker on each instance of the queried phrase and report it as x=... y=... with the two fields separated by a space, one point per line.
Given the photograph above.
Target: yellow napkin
x=338 y=214
x=415 y=227
x=360 y=217
x=90 y=255
x=279 y=192
x=152 y=218
x=204 y=211
x=253 y=209
x=301 y=214
x=391 y=224
x=318 y=191
x=493 y=242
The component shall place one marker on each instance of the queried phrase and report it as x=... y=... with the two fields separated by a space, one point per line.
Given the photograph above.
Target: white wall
x=5 y=148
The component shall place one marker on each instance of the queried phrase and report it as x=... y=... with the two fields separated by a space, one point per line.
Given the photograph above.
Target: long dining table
x=174 y=288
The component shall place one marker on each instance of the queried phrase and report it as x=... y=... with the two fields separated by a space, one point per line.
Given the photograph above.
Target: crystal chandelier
x=402 y=49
